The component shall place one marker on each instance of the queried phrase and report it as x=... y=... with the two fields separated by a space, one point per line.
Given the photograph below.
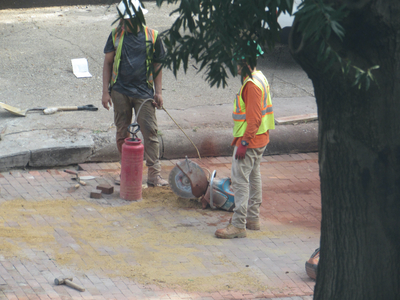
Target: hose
x=198 y=153
x=140 y=107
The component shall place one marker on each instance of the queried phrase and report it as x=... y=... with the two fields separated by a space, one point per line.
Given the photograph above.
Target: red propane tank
x=131 y=169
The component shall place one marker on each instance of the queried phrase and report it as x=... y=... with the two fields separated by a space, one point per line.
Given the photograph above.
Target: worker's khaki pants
x=148 y=127
x=246 y=184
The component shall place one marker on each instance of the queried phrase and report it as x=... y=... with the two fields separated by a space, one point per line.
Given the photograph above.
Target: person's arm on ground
x=107 y=69
x=158 y=99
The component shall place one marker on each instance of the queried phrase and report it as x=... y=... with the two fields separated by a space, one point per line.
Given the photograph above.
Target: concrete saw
x=188 y=180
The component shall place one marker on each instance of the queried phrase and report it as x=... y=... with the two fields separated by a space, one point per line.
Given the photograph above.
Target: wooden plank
x=296 y=119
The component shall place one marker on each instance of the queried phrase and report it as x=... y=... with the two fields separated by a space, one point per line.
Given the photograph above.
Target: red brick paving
x=291 y=214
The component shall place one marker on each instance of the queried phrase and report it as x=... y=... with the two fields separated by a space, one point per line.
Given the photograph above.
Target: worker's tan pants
x=148 y=127
x=247 y=187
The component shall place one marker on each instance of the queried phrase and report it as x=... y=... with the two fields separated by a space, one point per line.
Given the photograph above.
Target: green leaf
x=337 y=29
x=367 y=83
x=211 y=31
x=330 y=64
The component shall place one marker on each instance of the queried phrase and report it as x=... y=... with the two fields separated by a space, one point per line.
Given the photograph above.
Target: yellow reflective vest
x=239 y=107
x=118 y=38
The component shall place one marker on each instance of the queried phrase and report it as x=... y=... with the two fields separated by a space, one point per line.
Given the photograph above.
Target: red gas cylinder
x=131 y=169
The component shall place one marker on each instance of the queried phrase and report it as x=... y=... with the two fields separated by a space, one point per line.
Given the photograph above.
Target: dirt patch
x=150 y=242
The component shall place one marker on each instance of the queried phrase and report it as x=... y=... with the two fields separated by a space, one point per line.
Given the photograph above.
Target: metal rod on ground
x=198 y=153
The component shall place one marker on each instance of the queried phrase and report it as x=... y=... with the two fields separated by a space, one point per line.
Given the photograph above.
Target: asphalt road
x=5 y=4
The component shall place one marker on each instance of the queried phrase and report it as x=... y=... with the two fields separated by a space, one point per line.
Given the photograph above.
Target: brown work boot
x=156 y=181
x=231 y=232
x=253 y=224
x=250 y=224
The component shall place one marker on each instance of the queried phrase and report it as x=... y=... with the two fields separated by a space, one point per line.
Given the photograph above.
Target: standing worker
x=131 y=61
x=253 y=117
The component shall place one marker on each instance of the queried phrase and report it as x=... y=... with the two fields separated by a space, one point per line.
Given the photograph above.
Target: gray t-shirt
x=132 y=80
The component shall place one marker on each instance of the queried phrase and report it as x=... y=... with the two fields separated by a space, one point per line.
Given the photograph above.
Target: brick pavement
x=162 y=248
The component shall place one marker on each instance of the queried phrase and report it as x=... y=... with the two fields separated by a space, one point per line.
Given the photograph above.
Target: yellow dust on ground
x=127 y=241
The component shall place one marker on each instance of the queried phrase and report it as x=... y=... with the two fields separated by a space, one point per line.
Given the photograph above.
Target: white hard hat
x=121 y=7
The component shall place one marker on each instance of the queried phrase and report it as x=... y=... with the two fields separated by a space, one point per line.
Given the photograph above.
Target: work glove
x=240 y=152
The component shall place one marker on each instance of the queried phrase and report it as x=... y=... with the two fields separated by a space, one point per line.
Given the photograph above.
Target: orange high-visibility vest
x=239 y=107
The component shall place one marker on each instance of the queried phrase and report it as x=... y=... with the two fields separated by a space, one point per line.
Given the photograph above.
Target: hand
x=158 y=101
x=240 y=152
x=106 y=101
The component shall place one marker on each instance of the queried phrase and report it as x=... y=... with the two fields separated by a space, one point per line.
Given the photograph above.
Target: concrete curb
x=289 y=139
x=59 y=151
x=285 y=139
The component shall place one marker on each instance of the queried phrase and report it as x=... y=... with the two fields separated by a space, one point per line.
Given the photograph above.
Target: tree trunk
x=359 y=157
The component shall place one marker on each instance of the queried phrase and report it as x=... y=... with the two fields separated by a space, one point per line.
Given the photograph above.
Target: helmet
x=239 y=55
x=132 y=3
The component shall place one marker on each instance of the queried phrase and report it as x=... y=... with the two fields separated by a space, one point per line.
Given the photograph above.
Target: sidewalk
x=162 y=247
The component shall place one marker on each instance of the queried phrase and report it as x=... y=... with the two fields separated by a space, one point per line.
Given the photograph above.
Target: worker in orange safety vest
x=253 y=117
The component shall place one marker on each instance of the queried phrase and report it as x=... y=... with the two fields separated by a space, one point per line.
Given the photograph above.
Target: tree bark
x=359 y=157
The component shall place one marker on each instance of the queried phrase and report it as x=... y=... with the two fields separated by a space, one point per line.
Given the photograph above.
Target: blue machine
x=222 y=194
